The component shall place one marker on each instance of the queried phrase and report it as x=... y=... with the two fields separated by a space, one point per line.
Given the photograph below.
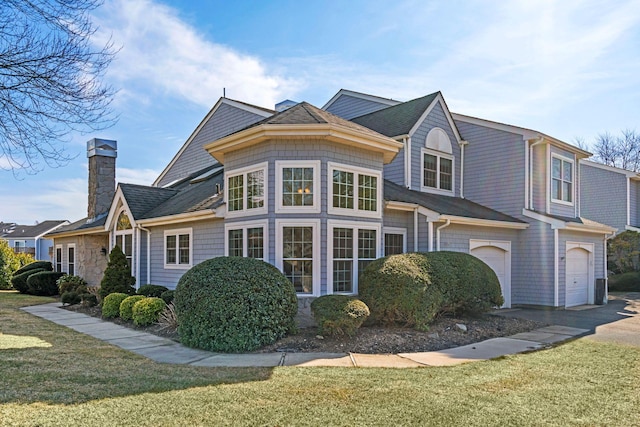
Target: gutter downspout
x=137 y=257
x=408 y=162
x=537 y=141
x=148 y=252
x=442 y=227
x=628 y=201
x=415 y=229
x=556 y=269
x=463 y=143
x=606 y=276
x=430 y=231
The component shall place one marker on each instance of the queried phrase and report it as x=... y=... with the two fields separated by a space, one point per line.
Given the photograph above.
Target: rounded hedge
x=44 y=283
x=339 y=314
x=152 y=290
x=69 y=283
x=126 y=306
x=19 y=281
x=70 y=298
x=167 y=296
x=414 y=288
x=233 y=304
x=147 y=310
x=111 y=304
x=44 y=265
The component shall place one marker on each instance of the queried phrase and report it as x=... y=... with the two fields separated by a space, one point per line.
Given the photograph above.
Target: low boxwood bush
x=19 y=281
x=44 y=283
x=71 y=283
x=413 y=289
x=111 y=304
x=234 y=304
x=625 y=282
x=167 y=296
x=126 y=306
x=70 y=298
x=339 y=314
x=44 y=265
x=88 y=300
x=147 y=310
x=152 y=290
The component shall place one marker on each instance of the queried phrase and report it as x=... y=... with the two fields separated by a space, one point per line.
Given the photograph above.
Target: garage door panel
x=577 y=277
x=499 y=261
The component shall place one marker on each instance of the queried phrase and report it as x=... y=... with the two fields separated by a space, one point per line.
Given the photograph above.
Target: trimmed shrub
x=126 y=306
x=71 y=283
x=167 y=296
x=152 y=290
x=44 y=283
x=414 y=288
x=70 y=298
x=233 y=304
x=111 y=304
x=88 y=300
x=117 y=276
x=19 y=281
x=339 y=314
x=626 y=282
x=44 y=265
x=8 y=264
x=147 y=310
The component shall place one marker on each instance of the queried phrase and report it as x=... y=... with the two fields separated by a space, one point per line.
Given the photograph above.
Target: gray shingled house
x=320 y=193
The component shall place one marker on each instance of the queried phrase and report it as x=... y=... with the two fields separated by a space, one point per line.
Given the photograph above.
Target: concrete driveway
x=618 y=321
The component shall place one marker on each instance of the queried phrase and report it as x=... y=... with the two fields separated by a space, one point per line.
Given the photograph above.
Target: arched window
x=437 y=162
x=124 y=236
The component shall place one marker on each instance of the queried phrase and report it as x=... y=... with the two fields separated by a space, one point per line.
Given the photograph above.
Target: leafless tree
x=619 y=151
x=50 y=80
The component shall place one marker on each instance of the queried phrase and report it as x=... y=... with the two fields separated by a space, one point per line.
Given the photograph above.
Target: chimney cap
x=102 y=147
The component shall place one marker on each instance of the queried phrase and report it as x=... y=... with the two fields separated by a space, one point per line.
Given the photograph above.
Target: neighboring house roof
x=575 y=223
x=21 y=232
x=379 y=99
x=305 y=121
x=526 y=133
x=630 y=174
x=398 y=119
x=444 y=205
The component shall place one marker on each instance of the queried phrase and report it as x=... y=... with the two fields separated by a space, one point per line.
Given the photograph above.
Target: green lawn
x=50 y=375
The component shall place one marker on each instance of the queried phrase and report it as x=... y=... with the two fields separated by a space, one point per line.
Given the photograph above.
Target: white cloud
x=162 y=54
x=136 y=176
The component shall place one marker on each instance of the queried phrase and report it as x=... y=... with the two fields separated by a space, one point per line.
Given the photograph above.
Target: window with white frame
x=124 y=236
x=561 y=180
x=246 y=190
x=354 y=191
x=298 y=254
x=351 y=247
x=71 y=259
x=395 y=241
x=178 y=248
x=437 y=162
x=247 y=240
x=59 y=258
x=298 y=186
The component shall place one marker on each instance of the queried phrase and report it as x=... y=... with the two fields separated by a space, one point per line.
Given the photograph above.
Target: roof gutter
x=185 y=217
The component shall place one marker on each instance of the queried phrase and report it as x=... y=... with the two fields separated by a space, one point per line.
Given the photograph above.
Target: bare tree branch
x=50 y=81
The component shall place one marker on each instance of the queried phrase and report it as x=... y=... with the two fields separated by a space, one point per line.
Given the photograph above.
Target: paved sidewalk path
x=167 y=351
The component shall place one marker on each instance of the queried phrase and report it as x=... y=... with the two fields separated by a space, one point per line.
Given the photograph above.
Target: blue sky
x=566 y=68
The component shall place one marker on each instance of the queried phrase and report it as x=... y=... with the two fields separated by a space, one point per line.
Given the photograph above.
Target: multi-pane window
x=353 y=192
x=71 y=260
x=125 y=243
x=297 y=257
x=352 y=248
x=297 y=186
x=246 y=241
x=561 y=180
x=393 y=244
x=437 y=172
x=59 y=259
x=246 y=190
x=177 y=248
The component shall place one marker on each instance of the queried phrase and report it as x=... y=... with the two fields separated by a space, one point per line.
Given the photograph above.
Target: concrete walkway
x=164 y=350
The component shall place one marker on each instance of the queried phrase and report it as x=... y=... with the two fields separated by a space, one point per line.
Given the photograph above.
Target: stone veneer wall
x=91 y=262
x=102 y=175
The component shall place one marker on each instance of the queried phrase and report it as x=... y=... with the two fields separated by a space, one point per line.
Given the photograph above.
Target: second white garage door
x=496 y=255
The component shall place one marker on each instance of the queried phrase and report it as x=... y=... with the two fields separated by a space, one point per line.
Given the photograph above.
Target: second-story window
x=438 y=172
x=354 y=191
x=246 y=190
x=561 y=180
x=298 y=186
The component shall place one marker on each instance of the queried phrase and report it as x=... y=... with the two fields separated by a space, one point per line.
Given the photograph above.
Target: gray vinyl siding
x=532 y=266
x=603 y=196
x=436 y=118
x=635 y=206
x=207 y=243
x=348 y=107
x=394 y=171
x=559 y=208
x=226 y=120
x=143 y=259
x=456 y=237
x=494 y=160
x=540 y=169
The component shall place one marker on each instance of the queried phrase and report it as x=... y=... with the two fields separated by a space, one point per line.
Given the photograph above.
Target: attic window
x=437 y=162
x=123 y=222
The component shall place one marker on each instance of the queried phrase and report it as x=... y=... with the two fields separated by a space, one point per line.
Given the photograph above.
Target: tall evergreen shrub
x=117 y=276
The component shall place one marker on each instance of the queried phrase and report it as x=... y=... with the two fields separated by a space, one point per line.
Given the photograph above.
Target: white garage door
x=577 y=277
x=498 y=259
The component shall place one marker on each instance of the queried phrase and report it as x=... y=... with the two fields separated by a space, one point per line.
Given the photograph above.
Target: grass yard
x=50 y=375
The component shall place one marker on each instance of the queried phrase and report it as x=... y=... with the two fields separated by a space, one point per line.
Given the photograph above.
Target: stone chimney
x=102 y=155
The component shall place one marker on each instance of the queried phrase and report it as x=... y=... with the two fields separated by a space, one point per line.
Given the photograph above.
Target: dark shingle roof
x=444 y=205
x=398 y=119
x=82 y=224
x=32 y=231
x=142 y=198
